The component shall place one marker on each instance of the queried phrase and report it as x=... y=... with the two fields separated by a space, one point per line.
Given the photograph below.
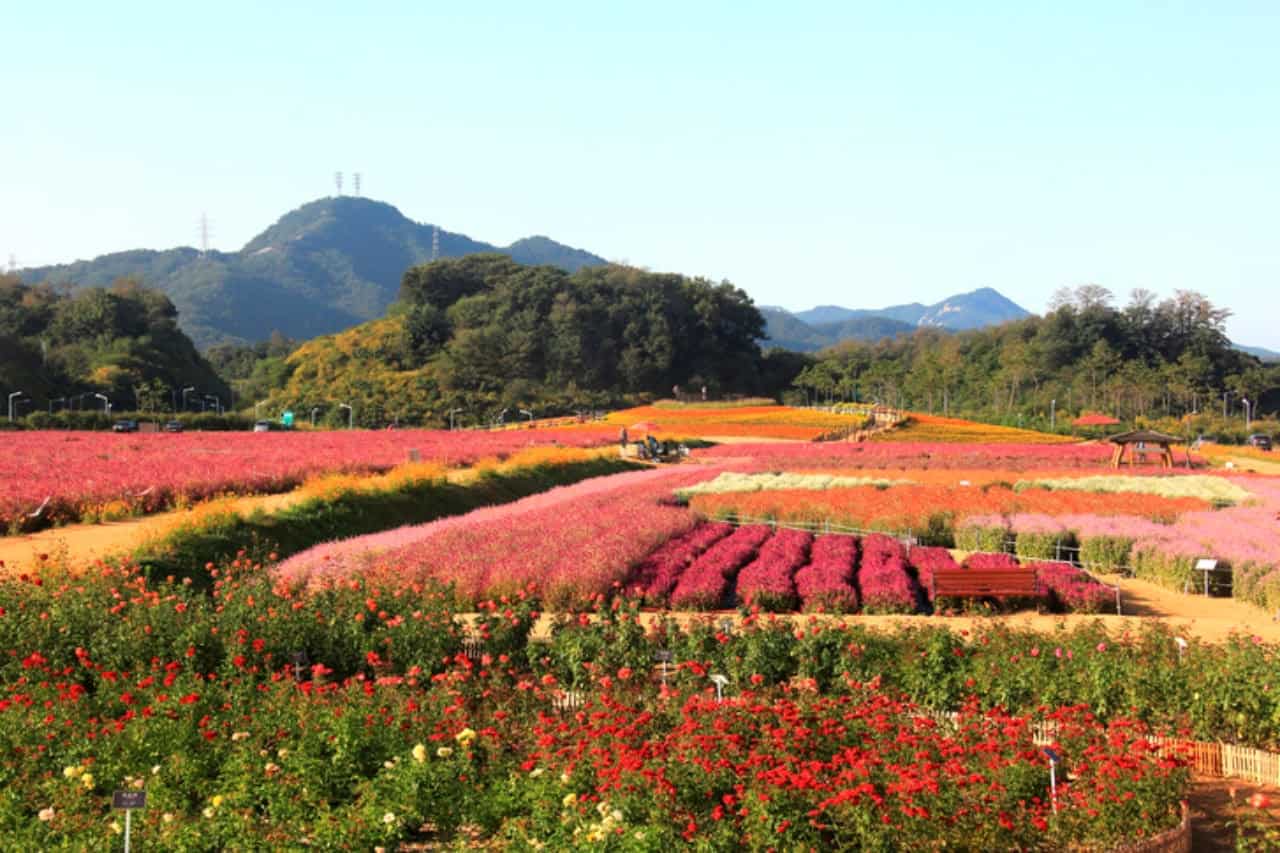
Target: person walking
x=622 y=437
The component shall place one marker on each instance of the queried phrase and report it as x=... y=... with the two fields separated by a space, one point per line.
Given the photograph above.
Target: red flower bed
x=826 y=583
x=882 y=576
x=926 y=561
x=706 y=583
x=656 y=576
x=768 y=582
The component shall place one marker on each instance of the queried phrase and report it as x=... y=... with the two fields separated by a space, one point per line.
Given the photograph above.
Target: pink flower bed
x=991 y=561
x=78 y=471
x=912 y=455
x=708 y=580
x=768 y=581
x=926 y=561
x=882 y=577
x=657 y=574
x=567 y=545
x=1070 y=589
x=826 y=582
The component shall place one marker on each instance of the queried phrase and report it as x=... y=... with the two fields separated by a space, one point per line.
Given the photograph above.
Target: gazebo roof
x=1145 y=435
x=1095 y=419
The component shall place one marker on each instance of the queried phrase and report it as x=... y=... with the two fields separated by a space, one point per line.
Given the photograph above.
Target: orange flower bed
x=921 y=427
x=910 y=507
x=739 y=422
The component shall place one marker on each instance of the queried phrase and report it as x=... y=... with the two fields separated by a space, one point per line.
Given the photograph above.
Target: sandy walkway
x=80 y=544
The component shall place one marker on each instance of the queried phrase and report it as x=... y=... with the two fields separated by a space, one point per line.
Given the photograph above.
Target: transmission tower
x=356 y=178
x=435 y=242
x=337 y=181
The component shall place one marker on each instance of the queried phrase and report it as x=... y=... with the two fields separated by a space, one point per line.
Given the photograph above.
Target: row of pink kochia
x=777 y=571
x=717 y=566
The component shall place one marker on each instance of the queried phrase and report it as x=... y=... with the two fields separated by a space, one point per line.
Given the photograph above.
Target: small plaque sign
x=662 y=656
x=1206 y=565
x=129 y=800
x=1052 y=755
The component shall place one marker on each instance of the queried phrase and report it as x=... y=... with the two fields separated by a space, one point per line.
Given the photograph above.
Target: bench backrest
x=973 y=582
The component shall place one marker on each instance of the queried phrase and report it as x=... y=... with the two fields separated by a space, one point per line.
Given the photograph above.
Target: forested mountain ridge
x=324 y=267
x=122 y=341
x=1151 y=358
x=482 y=334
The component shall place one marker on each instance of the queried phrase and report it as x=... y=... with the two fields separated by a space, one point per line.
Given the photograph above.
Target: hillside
x=121 y=341
x=482 y=334
x=327 y=266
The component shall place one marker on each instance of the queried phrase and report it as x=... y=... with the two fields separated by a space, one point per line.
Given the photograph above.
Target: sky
x=847 y=153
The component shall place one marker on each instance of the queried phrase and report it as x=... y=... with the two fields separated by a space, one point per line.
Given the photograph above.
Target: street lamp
x=1248 y=414
x=1053 y=415
x=313 y=414
x=184 y=396
x=217 y=403
x=106 y=404
x=56 y=400
x=452 y=412
x=257 y=406
x=351 y=413
x=527 y=414
x=502 y=416
x=13 y=397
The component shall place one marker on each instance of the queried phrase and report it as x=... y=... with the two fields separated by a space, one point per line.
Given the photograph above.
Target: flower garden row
x=57 y=477
x=259 y=714
x=716 y=566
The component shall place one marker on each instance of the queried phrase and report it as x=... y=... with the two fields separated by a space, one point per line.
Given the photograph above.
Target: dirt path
x=1212 y=812
x=80 y=544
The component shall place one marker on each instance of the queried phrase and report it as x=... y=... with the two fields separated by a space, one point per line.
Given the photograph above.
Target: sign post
x=1054 y=760
x=128 y=801
x=663 y=657
x=1206 y=566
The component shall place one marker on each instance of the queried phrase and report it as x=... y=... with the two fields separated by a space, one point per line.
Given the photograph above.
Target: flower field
x=78 y=476
x=691 y=421
x=911 y=455
x=257 y=715
x=920 y=427
x=570 y=544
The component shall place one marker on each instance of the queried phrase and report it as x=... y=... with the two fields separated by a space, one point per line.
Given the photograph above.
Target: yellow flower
x=388 y=818
x=87 y=781
x=208 y=811
x=167 y=817
x=116 y=827
x=46 y=814
x=444 y=751
x=570 y=800
x=536 y=772
x=420 y=753
x=465 y=737
x=72 y=771
x=239 y=736
x=218 y=800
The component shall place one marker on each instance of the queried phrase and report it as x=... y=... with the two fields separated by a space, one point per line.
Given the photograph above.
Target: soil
x=1212 y=811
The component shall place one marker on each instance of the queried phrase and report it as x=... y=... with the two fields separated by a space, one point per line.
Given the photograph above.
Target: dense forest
x=60 y=349
x=484 y=334
x=1150 y=358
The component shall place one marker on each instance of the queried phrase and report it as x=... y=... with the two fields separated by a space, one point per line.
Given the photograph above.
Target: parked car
x=125 y=426
x=262 y=426
x=1260 y=440
x=173 y=426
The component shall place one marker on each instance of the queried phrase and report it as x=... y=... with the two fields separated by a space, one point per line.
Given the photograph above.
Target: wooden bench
x=985 y=583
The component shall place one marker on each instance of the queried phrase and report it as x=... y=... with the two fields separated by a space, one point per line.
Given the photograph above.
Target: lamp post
x=351 y=414
x=184 y=396
x=453 y=412
x=106 y=404
x=314 y=409
x=217 y=403
x=1248 y=413
x=1053 y=415
x=256 y=406
x=502 y=416
x=15 y=395
x=56 y=400
x=527 y=414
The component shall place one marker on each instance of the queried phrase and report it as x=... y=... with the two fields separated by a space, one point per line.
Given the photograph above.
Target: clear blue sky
x=844 y=153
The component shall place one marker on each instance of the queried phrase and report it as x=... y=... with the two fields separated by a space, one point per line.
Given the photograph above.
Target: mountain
x=974 y=310
x=327 y=266
x=826 y=325
x=1260 y=352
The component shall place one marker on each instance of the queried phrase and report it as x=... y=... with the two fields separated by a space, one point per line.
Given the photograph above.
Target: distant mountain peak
x=322 y=267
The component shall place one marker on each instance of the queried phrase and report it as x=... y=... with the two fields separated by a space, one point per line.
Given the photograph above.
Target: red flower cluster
x=826 y=583
x=709 y=579
x=768 y=581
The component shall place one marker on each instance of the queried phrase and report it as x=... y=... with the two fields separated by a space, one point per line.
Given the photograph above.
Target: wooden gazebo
x=1140 y=442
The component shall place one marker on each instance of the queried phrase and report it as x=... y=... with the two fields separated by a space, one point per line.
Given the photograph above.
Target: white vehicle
x=262 y=426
